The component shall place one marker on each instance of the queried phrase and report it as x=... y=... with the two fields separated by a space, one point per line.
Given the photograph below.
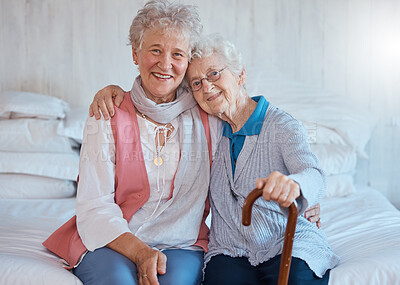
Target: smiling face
x=220 y=96
x=163 y=60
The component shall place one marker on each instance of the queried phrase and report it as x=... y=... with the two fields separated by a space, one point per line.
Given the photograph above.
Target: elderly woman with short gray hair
x=259 y=140
x=140 y=211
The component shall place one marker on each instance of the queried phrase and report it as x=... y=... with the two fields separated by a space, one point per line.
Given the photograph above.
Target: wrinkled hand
x=105 y=100
x=279 y=187
x=149 y=262
x=312 y=214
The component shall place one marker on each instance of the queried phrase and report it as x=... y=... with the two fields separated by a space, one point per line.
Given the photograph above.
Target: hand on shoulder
x=104 y=101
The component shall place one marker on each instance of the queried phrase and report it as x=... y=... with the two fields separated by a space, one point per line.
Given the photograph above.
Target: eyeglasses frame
x=206 y=77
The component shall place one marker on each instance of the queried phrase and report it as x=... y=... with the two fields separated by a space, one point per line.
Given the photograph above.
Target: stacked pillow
x=338 y=134
x=339 y=164
x=38 y=159
x=338 y=129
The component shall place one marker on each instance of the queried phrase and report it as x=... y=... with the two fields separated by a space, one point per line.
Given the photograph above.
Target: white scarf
x=165 y=112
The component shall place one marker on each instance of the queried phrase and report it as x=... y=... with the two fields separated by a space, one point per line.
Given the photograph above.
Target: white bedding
x=24 y=225
x=362 y=228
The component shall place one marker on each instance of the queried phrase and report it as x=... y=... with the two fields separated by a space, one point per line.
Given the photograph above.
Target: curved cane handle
x=289 y=233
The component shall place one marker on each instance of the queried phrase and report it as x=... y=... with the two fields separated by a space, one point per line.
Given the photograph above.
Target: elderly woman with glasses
x=258 y=140
x=140 y=211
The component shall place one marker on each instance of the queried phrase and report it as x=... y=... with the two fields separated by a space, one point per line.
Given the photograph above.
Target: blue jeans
x=226 y=270
x=106 y=266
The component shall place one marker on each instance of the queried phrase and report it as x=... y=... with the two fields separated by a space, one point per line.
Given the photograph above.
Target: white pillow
x=339 y=185
x=353 y=129
x=74 y=123
x=335 y=159
x=15 y=104
x=55 y=165
x=323 y=135
x=21 y=186
x=32 y=135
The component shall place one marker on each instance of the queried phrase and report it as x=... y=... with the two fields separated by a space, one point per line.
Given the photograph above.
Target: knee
x=110 y=276
x=118 y=277
x=181 y=276
x=183 y=279
x=105 y=266
x=184 y=267
x=300 y=273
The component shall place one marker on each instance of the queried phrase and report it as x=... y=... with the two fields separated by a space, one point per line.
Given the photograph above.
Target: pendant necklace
x=164 y=129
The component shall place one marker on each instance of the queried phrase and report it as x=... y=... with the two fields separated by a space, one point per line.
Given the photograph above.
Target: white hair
x=216 y=44
x=162 y=14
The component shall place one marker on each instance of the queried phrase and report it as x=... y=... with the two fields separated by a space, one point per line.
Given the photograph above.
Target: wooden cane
x=289 y=233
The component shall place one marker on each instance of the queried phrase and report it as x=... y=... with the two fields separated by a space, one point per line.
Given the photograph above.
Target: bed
x=37 y=188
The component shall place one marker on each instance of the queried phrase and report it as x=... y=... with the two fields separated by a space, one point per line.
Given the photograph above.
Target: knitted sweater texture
x=281 y=146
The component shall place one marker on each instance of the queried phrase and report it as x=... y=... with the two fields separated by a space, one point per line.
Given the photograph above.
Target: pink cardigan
x=65 y=241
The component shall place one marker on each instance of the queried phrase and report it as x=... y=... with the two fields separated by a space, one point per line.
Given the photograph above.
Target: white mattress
x=363 y=229
x=24 y=225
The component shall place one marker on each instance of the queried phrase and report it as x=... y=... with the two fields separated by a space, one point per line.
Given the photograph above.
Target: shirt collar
x=254 y=123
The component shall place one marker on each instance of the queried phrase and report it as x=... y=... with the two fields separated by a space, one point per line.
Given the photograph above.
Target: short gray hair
x=216 y=44
x=166 y=15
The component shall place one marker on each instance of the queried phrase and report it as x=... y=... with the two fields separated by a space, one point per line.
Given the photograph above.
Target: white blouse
x=160 y=167
x=99 y=218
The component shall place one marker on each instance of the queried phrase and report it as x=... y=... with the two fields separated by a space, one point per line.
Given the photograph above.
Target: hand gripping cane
x=289 y=234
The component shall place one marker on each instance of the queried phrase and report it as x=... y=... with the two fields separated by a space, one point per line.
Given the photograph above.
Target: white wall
x=72 y=48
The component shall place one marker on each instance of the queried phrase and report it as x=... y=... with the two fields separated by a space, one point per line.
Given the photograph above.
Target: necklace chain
x=160 y=128
x=158 y=161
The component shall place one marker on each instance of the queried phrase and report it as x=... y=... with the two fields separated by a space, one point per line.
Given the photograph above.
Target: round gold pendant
x=158 y=161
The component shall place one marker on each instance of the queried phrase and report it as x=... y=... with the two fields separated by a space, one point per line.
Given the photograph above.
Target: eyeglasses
x=211 y=76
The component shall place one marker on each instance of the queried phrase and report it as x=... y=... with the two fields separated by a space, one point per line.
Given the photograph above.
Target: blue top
x=251 y=127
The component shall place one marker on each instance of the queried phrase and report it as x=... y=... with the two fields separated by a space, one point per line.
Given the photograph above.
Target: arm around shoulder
x=104 y=101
